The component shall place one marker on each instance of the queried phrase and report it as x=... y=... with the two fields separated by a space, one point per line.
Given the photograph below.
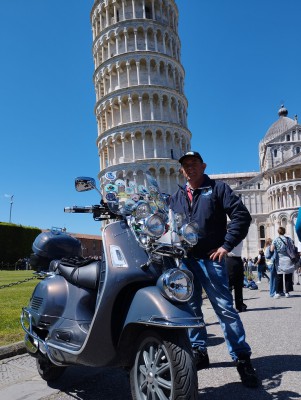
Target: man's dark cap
x=191 y=154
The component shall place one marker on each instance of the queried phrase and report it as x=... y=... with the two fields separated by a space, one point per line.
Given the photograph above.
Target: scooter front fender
x=150 y=308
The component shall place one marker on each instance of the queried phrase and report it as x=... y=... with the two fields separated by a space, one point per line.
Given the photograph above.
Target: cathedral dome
x=280 y=126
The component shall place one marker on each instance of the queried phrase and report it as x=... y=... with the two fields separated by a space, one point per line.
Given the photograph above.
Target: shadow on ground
x=270 y=370
x=113 y=384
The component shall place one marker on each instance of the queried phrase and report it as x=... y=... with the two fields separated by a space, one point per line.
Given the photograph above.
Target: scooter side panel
x=150 y=307
x=100 y=346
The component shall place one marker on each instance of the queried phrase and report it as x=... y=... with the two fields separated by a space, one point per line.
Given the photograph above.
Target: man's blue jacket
x=211 y=205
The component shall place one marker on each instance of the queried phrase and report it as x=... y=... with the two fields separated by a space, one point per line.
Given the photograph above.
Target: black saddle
x=78 y=270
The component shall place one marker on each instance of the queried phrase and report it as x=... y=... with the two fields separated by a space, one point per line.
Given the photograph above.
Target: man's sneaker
x=201 y=359
x=287 y=295
x=277 y=296
x=247 y=373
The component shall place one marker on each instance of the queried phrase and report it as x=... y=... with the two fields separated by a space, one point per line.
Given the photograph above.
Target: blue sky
x=242 y=61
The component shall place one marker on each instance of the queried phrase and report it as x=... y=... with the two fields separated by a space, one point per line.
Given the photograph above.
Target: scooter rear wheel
x=47 y=370
x=164 y=367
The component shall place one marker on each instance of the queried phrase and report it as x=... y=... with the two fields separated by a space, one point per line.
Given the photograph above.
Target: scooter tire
x=47 y=370
x=164 y=368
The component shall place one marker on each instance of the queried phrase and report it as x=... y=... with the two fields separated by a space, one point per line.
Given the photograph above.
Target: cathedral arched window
x=297 y=150
x=275 y=153
x=288 y=138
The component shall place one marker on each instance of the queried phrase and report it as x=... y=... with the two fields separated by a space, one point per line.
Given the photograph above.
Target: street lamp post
x=11 y=206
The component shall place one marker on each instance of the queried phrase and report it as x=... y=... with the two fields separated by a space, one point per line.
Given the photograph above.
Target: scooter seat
x=83 y=273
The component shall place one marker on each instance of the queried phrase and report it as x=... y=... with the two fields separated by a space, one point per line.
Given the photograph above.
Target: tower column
x=130 y=101
x=133 y=145
x=120 y=109
x=143 y=144
x=140 y=108
x=138 y=72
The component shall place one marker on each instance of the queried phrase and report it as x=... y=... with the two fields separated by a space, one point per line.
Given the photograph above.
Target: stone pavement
x=273 y=328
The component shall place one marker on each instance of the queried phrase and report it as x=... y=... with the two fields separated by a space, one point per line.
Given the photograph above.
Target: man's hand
x=218 y=254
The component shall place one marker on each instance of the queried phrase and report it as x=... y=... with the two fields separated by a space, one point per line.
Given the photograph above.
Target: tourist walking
x=261 y=267
x=285 y=266
x=270 y=263
x=249 y=268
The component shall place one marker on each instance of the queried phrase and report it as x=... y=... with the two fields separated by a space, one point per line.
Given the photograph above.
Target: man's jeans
x=213 y=277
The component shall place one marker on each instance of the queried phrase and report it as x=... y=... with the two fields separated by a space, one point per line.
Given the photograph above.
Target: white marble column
x=143 y=144
x=133 y=146
x=135 y=38
x=118 y=74
x=128 y=73
x=123 y=10
x=138 y=72
x=151 y=101
x=130 y=101
x=120 y=109
x=133 y=7
x=140 y=108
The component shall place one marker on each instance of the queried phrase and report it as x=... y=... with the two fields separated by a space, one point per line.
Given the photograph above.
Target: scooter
x=130 y=309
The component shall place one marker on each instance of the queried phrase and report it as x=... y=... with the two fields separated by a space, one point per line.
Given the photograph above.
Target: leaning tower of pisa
x=141 y=109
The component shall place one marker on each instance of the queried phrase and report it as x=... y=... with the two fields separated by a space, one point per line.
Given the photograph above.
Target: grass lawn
x=12 y=299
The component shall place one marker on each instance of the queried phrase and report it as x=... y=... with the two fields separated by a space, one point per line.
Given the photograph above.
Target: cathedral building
x=141 y=113
x=273 y=195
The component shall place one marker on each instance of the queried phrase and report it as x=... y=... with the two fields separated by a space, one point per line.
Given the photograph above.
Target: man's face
x=192 y=168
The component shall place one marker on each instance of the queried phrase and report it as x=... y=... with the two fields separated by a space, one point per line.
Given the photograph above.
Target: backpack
x=292 y=250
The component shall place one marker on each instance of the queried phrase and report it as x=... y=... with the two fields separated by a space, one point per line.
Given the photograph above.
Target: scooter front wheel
x=47 y=370
x=164 y=367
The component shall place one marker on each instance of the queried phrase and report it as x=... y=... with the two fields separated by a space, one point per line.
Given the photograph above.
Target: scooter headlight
x=153 y=226
x=190 y=233
x=142 y=210
x=176 y=285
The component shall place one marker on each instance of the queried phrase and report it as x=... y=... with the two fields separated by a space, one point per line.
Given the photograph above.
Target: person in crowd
x=261 y=267
x=270 y=263
x=235 y=270
x=250 y=284
x=208 y=203
x=284 y=265
x=250 y=267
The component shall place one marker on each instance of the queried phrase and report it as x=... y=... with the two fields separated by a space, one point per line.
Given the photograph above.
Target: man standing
x=209 y=203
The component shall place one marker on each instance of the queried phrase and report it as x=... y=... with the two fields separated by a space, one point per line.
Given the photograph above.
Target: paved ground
x=273 y=328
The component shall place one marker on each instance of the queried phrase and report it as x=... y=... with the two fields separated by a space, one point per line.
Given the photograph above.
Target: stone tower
x=141 y=109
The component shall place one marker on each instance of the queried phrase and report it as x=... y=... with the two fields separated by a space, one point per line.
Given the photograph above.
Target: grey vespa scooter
x=128 y=310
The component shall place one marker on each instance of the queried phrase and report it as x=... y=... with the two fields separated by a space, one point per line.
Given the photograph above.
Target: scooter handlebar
x=79 y=209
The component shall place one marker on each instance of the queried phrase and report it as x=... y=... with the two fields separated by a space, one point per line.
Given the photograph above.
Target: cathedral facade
x=273 y=195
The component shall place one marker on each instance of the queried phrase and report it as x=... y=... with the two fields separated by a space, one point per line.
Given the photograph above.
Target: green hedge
x=16 y=241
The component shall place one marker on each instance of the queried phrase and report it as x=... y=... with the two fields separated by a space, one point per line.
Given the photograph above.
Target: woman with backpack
x=285 y=266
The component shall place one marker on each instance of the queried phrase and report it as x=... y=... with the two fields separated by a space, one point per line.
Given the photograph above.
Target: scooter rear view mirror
x=82 y=184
